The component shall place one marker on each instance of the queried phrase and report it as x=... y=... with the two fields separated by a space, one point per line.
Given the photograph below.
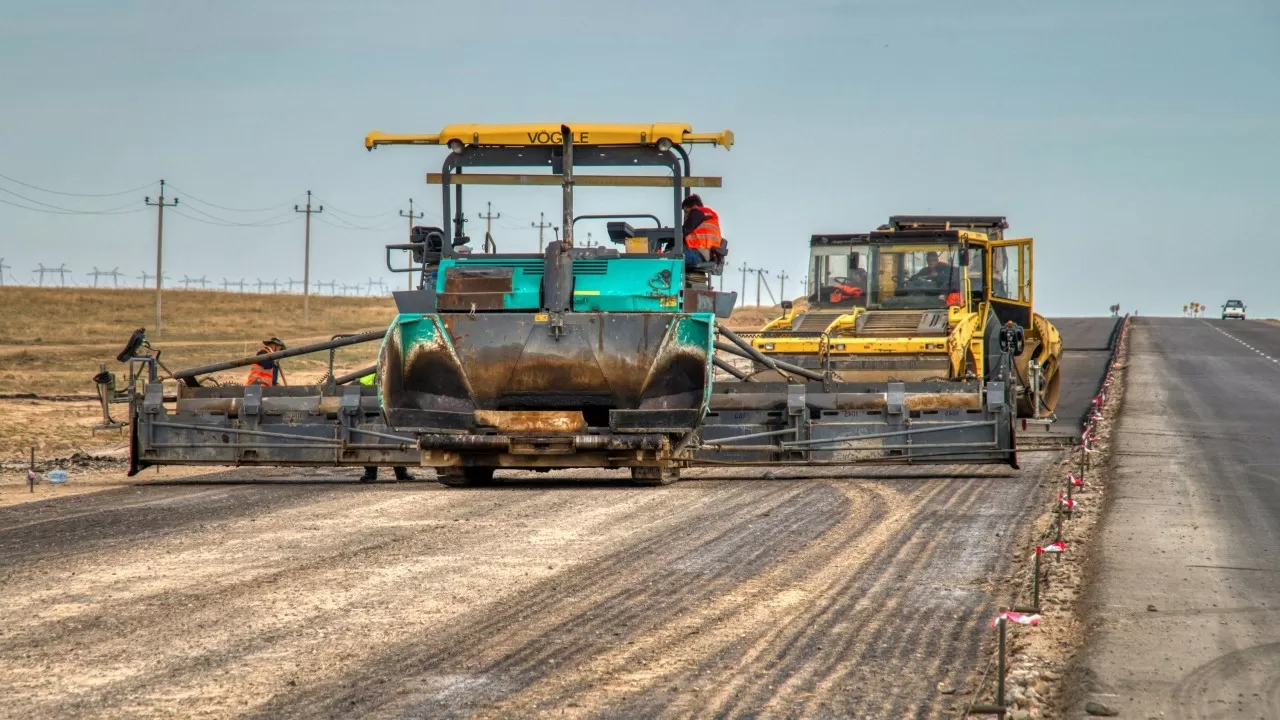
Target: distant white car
x=1233 y=310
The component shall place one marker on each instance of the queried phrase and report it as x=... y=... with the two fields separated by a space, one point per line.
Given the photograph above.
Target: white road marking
x=1233 y=337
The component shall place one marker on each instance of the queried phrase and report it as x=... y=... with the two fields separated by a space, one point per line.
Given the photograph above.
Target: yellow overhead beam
x=535 y=134
x=436 y=178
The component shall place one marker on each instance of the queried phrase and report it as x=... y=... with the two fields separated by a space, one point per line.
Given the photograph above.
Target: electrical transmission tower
x=306 y=257
x=146 y=277
x=159 y=205
x=332 y=285
x=96 y=273
x=291 y=283
x=237 y=284
x=745 y=270
x=61 y=271
x=782 y=284
x=378 y=283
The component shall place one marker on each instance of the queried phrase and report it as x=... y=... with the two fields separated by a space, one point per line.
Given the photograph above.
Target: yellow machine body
x=871 y=317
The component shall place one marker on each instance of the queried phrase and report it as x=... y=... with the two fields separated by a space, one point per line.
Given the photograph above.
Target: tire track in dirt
x=805 y=669
x=863 y=610
x=1250 y=676
x=108 y=630
x=566 y=620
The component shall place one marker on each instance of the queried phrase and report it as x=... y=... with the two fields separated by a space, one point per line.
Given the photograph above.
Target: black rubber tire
x=654 y=476
x=465 y=476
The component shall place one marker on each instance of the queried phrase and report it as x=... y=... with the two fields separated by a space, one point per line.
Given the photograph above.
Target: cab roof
x=533 y=134
x=837 y=239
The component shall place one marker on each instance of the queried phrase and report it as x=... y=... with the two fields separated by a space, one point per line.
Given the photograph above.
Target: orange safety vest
x=259 y=375
x=707 y=235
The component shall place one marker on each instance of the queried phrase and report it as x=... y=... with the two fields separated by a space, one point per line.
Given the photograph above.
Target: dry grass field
x=53 y=340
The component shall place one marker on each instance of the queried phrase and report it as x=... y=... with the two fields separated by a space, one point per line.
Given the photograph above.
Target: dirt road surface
x=859 y=593
x=1187 y=617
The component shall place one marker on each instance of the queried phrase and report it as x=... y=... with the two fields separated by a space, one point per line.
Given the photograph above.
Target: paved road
x=851 y=594
x=1194 y=528
x=1086 y=353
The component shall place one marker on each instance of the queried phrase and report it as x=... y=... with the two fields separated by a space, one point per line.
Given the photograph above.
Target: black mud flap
x=135 y=465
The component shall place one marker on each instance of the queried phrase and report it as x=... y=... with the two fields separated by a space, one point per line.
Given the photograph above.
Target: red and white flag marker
x=1065 y=501
x=1017 y=617
x=1054 y=547
x=1075 y=480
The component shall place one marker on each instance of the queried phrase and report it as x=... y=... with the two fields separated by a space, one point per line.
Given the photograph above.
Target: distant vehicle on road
x=1233 y=310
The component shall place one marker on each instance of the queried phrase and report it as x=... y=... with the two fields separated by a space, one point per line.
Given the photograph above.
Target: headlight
x=768 y=346
x=664 y=144
x=455 y=146
x=839 y=347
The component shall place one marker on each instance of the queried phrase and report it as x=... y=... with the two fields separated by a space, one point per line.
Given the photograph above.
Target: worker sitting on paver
x=701 y=230
x=266 y=372
x=371 y=471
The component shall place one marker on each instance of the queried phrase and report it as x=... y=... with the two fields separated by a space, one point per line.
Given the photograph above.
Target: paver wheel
x=465 y=476
x=654 y=475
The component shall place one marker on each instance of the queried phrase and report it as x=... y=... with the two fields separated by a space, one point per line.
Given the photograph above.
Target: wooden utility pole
x=306 y=258
x=3 y=267
x=160 y=205
x=411 y=217
x=488 y=217
x=744 y=270
x=759 y=279
x=542 y=224
x=782 y=285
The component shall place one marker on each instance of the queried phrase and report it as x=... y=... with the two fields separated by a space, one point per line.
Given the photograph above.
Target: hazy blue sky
x=1137 y=141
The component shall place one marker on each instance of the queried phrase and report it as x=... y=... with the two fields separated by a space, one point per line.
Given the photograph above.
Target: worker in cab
x=371 y=471
x=701 y=231
x=935 y=271
x=266 y=372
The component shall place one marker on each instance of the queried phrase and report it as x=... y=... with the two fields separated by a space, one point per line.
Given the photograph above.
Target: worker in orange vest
x=701 y=230
x=266 y=372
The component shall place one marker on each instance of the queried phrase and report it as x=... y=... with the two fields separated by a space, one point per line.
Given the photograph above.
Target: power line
x=71 y=194
x=340 y=211
x=348 y=225
x=223 y=222
x=59 y=210
x=284 y=204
